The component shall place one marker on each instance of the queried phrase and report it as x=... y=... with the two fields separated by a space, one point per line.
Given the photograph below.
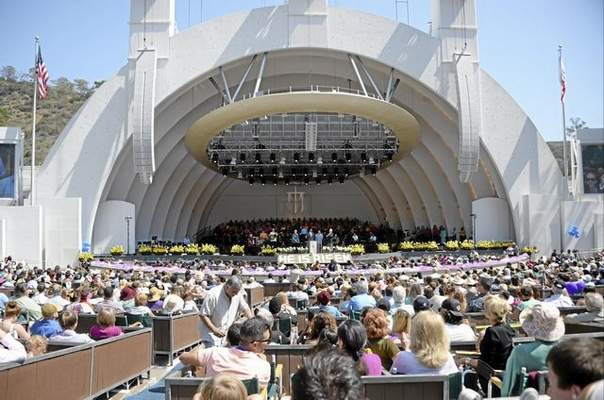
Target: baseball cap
x=453 y=306
x=421 y=303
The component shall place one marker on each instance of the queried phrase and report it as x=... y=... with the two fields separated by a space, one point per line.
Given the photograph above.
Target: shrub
x=357 y=249
x=268 y=251
x=85 y=256
x=383 y=248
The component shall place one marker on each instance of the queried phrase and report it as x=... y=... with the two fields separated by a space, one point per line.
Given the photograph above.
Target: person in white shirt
x=456 y=329
x=11 y=349
x=560 y=297
x=220 y=309
x=41 y=297
x=69 y=321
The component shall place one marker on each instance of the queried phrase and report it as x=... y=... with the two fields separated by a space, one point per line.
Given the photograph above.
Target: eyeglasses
x=267 y=340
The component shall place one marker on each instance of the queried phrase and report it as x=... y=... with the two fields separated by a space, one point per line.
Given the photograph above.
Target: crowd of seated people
x=383 y=323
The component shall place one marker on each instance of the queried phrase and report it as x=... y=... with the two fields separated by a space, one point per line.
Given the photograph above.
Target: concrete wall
x=111 y=228
x=588 y=216
x=240 y=201
x=62 y=222
x=492 y=219
x=23 y=233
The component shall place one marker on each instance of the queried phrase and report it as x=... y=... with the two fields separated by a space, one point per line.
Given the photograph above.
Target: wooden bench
x=85 y=322
x=420 y=387
x=79 y=372
x=564 y=311
x=174 y=334
x=180 y=386
x=289 y=357
x=255 y=295
x=271 y=289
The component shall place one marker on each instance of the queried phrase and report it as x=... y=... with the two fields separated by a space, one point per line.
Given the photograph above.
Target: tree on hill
x=65 y=97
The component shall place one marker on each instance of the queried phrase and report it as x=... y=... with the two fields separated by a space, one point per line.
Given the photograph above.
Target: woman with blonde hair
x=429 y=348
x=401 y=325
x=222 y=387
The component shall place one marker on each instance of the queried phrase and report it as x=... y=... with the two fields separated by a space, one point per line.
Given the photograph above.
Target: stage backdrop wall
x=110 y=227
x=240 y=201
x=62 y=221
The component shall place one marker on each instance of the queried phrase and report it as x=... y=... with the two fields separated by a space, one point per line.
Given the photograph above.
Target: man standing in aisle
x=220 y=309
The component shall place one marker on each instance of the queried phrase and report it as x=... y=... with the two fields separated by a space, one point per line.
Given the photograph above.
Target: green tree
x=8 y=73
x=575 y=124
x=81 y=86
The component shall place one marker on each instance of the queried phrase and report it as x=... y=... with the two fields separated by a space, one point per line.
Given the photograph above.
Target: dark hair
x=234 y=334
x=327 y=374
x=274 y=306
x=108 y=292
x=354 y=337
x=577 y=361
x=253 y=329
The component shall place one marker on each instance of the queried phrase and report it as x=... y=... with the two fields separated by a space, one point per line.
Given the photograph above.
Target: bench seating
x=79 y=372
x=420 y=387
x=271 y=289
x=171 y=333
x=254 y=295
x=175 y=333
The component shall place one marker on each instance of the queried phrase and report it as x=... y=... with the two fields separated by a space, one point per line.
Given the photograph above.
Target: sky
x=518 y=42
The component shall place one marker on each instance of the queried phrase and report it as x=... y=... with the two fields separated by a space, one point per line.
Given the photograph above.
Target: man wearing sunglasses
x=245 y=361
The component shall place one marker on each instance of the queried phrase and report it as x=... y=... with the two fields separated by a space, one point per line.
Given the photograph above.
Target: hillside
x=65 y=97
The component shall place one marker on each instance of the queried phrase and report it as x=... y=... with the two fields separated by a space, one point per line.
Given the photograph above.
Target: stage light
x=242 y=157
x=324 y=171
x=225 y=171
x=341 y=179
x=296 y=157
x=258 y=158
x=311 y=157
x=275 y=171
x=263 y=181
x=286 y=180
x=318 y=180
x=273 y=157
x=348 y=157
x=215 y=158
x=334 y=157
x=260 y=172
x=336 y=171
x=364 y=157
x=373 y=171
x=306 y=180
x=346 y=172
x=305 y=171
x=330 y=180
x=275 y=180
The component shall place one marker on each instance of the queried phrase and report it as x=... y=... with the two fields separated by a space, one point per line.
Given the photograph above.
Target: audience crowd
x=380 y=323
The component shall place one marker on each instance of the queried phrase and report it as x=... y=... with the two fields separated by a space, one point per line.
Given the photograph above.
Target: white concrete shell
x=93 y=158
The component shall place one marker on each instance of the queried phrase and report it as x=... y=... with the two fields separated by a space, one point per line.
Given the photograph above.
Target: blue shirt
x=3 y=300
x=360 y=301
x=46 y=328
x=331 y=310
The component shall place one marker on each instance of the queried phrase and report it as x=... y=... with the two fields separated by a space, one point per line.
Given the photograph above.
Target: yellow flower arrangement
x=357 y=249
x=237 y=249
x=208 y=249
x=467 y=245
x=192 y=249
x=117 y=250
x=177 y=249
x=85 y=256
x=159 y=250
x=144 y=249
x=268 y=251
x=383 y=248
x=528 y=250
x=452 y=245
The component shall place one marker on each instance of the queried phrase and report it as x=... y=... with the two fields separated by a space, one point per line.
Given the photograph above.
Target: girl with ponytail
x=352 y=338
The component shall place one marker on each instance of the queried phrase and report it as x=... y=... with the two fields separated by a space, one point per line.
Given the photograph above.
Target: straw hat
x=155 y=294
x=543 y=322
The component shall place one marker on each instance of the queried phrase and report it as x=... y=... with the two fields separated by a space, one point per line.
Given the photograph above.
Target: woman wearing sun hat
x=543 y=322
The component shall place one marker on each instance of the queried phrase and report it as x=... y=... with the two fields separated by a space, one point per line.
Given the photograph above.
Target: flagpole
x=565 y=169
x=33 y=129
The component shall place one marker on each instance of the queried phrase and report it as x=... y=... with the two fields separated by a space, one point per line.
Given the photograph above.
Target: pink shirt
x=240 y=363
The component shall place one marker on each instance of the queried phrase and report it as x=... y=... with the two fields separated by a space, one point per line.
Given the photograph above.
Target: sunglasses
x=268 y=340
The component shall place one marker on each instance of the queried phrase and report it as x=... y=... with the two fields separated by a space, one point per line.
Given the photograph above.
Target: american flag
x=41 y=76
x=562 y=79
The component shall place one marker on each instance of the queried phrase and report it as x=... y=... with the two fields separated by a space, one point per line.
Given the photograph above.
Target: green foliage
x=65 y=97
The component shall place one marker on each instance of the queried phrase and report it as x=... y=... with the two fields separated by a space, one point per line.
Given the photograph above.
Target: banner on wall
x=323 y=258
x=7 y=170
